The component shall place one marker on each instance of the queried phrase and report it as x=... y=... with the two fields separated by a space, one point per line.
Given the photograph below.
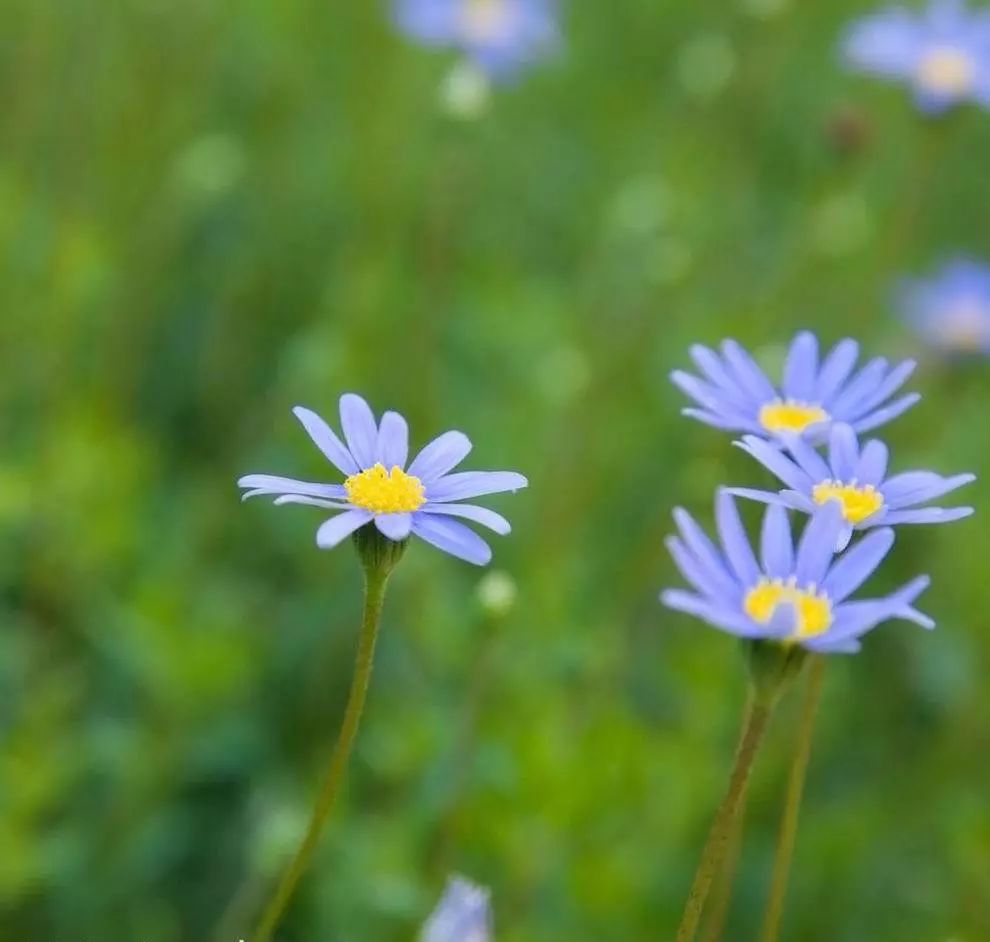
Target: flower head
x=736 y=395
x=952 y=310
x=498 y=36
x=462 y=915
x=380 y=488
x=855 y=479
x=943 y=53
x=792 y=596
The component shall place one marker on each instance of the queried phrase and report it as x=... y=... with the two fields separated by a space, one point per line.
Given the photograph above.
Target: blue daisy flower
x=855 y=478
x=951 y=311
x=736 y=395
x=793 y=596
x=379 y=488
x=943 y=54
x=499 y=36
x=462 y=915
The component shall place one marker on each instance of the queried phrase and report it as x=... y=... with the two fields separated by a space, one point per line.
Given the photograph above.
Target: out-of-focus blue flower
x=790 y=596
x=951 y=311
x=421 y=499
x=462 y=915
x=735 y=394
x=499 y=36
x=855 y=479
x=943 y=53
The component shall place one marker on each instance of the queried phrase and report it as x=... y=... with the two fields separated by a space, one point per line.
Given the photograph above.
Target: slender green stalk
x=758 y=712
x=376 y=579
x=721 y=898
x=792 y=803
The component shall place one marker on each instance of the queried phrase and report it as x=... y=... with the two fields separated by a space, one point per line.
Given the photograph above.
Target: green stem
x=758 y=714
x=376 y=579
x=792 y=804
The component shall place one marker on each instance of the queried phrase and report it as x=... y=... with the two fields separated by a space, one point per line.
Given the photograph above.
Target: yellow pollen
x=813 y=611
x=946 y=71
x=484 y=20
x=790 y=415
x=858 y=502
x=385 y=492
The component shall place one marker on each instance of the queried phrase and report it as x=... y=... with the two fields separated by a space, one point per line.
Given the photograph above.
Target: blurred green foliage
x=211 y=212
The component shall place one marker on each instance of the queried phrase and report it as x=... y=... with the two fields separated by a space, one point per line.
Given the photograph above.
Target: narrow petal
x=735 y=623
x=339 y=528
x=484 y=516
x=394 y=526
x=703 y=550
x=916 y=487
x=833 y=647
x=443 y=453
x=792 y=500
x=776 y=546
x=360 y=429
x=854 y=567
x=863 y=384
x=463 y=914
x=896 y=378
x=776 y=462
x=326 y=440
x=872 y=463
x=801 y=367
x=278 y=485
x=836 y=369
x=452 y=537
x=312 y=502
x=854 y=619
x=721 y=422
x=887 y=414
x=467 y=484
x=714 y=369
x=735 y=543
x=843 y=451
x=809 y=461
x=747 y=373
x=708 y=581
x=818 y=542
x=393 y=441
x=698 y=390
x=928 y=515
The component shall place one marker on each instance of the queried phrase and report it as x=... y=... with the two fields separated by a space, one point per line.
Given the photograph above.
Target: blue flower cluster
x=800 y=591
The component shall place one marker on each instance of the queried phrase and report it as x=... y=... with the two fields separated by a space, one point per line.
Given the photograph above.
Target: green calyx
x=379 y=555
x=772 y=667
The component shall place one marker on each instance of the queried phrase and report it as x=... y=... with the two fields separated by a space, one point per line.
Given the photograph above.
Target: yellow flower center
x=484 y=20
x=790 y=415
x=858 y=502
x=385 y=492
x=946 y=71
x=813 y=611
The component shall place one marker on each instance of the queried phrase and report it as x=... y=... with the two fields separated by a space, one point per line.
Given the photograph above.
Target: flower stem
x=792 y=804
x=758 y=712
x=376 y=579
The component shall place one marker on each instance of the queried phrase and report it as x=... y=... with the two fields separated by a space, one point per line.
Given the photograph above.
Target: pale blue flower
x=854 y=478
x=942 y=53
x=792 y=596
x=951 y=311
x=462 y=915
x=498 y=36
x=734 y=394
x=379 y=487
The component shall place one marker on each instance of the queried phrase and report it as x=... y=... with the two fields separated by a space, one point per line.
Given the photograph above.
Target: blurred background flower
x=462 y=915
x=950 y=310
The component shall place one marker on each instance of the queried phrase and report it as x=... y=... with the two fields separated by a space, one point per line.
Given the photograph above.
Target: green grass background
x=211 y=212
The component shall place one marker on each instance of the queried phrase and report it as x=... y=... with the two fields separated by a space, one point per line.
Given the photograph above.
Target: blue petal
x=360 y=430
x=704 y=551
x=872 y=464
x=896 y=378
x=452 y=537
x=843 y=451
x=463 y=914
x=917 y=487
x=714 y=369
x=735 y=543
x=776 y=462
x=863 y=384
x=776 y=545
x=854 y=567
x=433 y=22
x=887 y=414
x=818 y=542
x=440 y=456
x=393 y=440
x=836 y=368
x=484 y=516
x=272 y=484
x=467 y=484
x=708 y=581
x=339 y=528
x=928 y=515
x=721 y=617
x=326 y=440
x=807 y=458
x=394 y=526
x=743 y=367
x=801 y=367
